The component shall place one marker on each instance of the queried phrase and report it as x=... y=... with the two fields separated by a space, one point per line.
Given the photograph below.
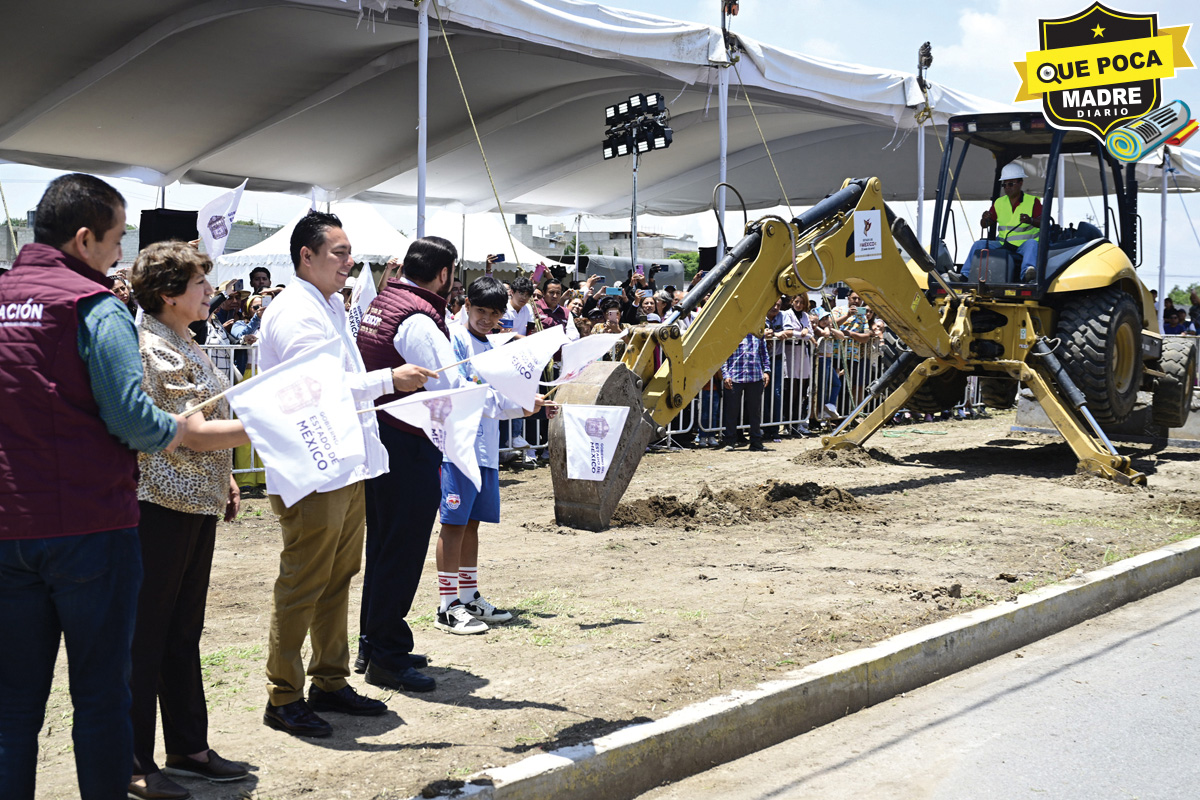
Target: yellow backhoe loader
x=1082 y=335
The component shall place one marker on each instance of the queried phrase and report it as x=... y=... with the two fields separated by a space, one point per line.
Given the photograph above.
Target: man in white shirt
x=322 y=532
x=405 y=325
x=517 y=318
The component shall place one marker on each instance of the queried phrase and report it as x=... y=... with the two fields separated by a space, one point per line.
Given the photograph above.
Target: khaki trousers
x=322 y=551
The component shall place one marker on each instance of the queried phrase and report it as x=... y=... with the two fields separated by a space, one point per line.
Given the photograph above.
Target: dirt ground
x=728 y=569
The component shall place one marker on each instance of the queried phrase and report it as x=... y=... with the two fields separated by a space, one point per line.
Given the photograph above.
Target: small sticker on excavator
x=916 y=302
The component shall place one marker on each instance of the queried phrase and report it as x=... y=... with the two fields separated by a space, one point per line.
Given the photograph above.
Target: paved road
x=1107 y=709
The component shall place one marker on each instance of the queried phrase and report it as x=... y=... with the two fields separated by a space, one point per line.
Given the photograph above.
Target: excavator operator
x=1018 y=217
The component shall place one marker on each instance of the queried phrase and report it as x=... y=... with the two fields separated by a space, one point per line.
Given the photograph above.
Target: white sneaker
x=482 y=609
x=831 y=411
x=519 y=443
x=456 y=619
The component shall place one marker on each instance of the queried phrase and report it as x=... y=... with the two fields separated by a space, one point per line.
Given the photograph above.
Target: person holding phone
x=519 y=314
x=518 y=317
x=856 y=327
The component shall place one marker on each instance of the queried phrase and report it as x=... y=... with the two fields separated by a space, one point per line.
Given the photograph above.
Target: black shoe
x=215 y=770
x=297 y=719
x=344 y=701
x=416 y=660
x=407 y=679
x=757 y=447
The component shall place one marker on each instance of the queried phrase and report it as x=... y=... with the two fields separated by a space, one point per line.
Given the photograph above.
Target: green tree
x=691 y=263
x=1183 y=297
x=569 y=250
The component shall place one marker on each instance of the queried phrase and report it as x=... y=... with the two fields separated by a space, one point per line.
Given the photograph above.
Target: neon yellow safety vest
x=1009 y=227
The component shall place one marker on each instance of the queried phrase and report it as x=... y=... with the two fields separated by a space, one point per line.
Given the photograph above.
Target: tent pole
x=921 y=181
x=633 y=218
x=422 y=119
x=1162 y=242
x=578 y=223
x=723 y=126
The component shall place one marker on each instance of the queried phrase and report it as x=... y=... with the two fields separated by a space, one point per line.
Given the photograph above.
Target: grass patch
x=1113 y=554
x=226 y=672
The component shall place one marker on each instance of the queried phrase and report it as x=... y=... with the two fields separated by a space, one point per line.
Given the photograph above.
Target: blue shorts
x=461 y=503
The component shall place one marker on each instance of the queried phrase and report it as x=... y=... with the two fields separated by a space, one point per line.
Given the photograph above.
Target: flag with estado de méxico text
x=300 y=415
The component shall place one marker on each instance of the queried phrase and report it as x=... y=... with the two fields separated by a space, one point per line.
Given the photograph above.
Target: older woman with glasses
x=181 y=495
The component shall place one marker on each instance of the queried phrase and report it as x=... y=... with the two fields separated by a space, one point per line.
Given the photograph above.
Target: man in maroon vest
x=72 y=415
x=404 y=325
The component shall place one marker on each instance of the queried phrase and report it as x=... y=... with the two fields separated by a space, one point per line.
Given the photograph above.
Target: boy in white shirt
x=462 y=609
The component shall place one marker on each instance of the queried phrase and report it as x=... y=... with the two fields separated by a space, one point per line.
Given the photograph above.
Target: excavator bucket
x=590 y=504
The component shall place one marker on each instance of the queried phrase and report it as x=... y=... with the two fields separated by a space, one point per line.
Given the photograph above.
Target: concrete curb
x=632 y=761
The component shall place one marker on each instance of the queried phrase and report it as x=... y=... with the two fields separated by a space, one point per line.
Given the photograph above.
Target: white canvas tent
x=218 y=91
x=372 y=240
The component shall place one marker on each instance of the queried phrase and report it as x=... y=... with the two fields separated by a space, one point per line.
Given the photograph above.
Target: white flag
x=450 y=419
x=215 y=221
x=593 y=433
x=301 y=417
x=578 y=354
x=513 y=370
x=360 y=298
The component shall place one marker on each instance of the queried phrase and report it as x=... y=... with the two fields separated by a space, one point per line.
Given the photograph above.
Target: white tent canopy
x=304 y=94
x=372 y=240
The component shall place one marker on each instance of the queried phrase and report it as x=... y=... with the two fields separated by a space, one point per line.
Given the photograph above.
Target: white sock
x=447 y=589
x=468 y=583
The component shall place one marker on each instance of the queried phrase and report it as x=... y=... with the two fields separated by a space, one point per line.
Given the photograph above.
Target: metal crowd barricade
x=225 y=358
x=810 y=381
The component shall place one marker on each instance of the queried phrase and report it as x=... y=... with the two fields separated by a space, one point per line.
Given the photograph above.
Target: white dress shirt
x=299 y=319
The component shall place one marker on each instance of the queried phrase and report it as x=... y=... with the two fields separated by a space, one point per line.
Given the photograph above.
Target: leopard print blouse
x=177 y=375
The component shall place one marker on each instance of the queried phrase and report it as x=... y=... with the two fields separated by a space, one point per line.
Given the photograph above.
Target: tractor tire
x=937 y=394
x=998 y=393
x=1173 y=394
x=940 y=393
x=1101 y=335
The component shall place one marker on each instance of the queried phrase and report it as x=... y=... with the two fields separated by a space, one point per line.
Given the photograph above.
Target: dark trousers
x=84 y=589
x=774 y=393
x=752 y=393
x=177 y=554
x=402 y=506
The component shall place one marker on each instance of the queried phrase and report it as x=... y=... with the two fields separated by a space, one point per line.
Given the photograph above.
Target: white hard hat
x=1012 y=171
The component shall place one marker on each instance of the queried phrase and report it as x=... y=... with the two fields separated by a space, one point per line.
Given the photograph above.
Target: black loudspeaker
x=165 y=224
x=708 y=258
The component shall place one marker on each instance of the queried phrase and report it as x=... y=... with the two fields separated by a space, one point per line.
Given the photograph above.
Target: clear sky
x=974 y=45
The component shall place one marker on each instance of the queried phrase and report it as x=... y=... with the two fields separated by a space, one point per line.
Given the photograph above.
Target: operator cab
x=996 y=271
